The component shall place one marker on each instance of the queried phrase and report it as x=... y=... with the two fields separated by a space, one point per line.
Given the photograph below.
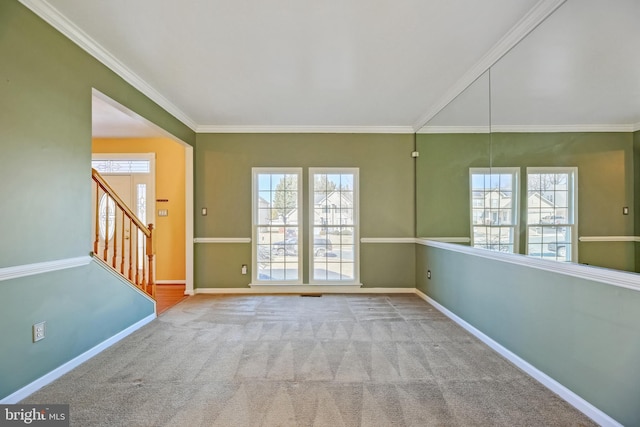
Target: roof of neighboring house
x=344 y=198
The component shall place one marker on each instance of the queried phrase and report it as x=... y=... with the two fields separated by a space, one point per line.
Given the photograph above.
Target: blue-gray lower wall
x=582 y=333
x=82 y=307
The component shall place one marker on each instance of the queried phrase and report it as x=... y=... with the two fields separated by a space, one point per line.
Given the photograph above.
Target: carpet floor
x=334 y=360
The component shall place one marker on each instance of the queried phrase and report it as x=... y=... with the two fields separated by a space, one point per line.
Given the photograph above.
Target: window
x=107 y=210
x=494 y=213
x=129 y=166
x=277 y=199
x=334 y=224
x=551 y=213
x=132 y=176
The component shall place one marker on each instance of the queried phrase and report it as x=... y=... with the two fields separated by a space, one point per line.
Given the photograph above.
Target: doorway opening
x=124 y=147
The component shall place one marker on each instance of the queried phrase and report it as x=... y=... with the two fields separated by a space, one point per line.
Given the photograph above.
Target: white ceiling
x=335 y=65
x=110 y=120
x=581 y=67
x=577 y=71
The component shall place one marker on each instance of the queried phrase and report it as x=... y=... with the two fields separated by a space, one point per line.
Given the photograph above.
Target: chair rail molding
x=8 y=273
x=618 y=278
x=222 y=240
x=445 y=239
x=387 y=240
x=609 y=239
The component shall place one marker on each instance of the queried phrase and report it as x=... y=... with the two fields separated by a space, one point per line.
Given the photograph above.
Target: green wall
x=45 y=137
x=46 y=86
x=442 y=182
x=587 y=338
x=582 y=333
x=605 y=184
x=636 y=206
x=223 y=165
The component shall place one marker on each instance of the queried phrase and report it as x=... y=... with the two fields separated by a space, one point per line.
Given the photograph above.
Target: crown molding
x=454 y=129
x=528 y=23
x=561 y=128
x=304 y=129
x=636 y=127
x=58 y=21
x=528 y=129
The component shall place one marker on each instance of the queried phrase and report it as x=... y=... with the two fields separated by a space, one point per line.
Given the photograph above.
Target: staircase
x=122 y=241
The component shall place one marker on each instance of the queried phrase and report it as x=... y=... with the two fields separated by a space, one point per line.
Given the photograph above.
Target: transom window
x=334 y=224
x=114 y=166
x=551 y=213
x=494 y=213
x=277 y=201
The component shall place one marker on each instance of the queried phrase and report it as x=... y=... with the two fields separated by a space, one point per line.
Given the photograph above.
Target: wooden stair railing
x=122 y=241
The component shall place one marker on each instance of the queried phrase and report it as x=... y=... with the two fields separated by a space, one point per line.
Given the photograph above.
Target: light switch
x=163 y=212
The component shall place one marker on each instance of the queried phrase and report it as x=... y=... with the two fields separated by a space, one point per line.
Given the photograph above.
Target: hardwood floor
x=167 y=296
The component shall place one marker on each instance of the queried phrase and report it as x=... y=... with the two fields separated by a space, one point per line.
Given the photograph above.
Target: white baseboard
x=572 y=398
x=289 y=289
x=73 y=363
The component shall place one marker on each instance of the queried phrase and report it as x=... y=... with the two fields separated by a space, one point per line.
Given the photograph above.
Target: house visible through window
x=494 y=213
x=551 y=213
x=279 y=241
x=334 y=219
x=277 y=201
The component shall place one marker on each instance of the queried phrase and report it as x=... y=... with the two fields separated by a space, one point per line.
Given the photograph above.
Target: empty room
x=340 y=213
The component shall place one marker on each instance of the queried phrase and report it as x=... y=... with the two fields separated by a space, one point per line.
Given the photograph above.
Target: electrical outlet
x=38 y=331
x=429 y=274
x=244 y=268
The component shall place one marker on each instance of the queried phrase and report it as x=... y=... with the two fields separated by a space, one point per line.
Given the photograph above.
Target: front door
x=108 y=217
x=132 y=179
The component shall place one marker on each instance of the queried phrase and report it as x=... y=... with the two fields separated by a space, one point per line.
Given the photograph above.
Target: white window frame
x=255 y=224
x=515 y=202
x=572 y=188
x=356 y=225
x=137 y=177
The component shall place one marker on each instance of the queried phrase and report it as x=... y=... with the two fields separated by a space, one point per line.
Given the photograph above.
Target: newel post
x=150 y=255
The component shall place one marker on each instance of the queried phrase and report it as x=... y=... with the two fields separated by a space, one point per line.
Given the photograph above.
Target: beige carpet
x=335 y=360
